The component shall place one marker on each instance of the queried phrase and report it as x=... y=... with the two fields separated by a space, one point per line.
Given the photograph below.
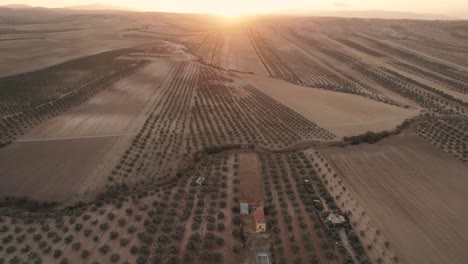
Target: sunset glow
x=234 y=8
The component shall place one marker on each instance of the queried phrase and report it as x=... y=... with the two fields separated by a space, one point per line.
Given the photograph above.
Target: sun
x=230 y=11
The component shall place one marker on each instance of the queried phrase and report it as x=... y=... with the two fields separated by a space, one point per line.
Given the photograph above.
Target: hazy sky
x=457 y=8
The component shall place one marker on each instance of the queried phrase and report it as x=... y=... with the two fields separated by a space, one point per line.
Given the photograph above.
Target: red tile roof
x=259 y=216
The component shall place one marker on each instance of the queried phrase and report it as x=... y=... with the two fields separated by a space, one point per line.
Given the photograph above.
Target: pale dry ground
x=342 y=114
x=415 y=193
x=49 y=170
x=431 y=83
x=114 y=111
x=29 y=55
x=239 y=54
x=358 y=218
x=251 y=184
x=418 y=51
x=382 y=62
x=56 y=154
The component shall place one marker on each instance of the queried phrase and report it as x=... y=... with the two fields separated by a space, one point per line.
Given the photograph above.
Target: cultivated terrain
x=131 y=137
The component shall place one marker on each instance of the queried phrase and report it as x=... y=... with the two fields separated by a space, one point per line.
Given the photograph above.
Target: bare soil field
x=239 y=54
x=113 y=116
x=414 y=192
x=115 y=111
x=67 y=38
x=49 y=170
x=343 y=114
x=57 y=48
x=251 y=185
x=120 y=138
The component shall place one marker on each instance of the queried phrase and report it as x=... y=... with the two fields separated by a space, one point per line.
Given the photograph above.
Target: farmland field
x=342 y=114
x=413 y=192
x=134 y=137
x=239 y=54
x=36 y=179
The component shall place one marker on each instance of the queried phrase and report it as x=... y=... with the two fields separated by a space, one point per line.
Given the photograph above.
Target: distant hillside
x=375 y=14
x=16 y=6
x=99 y=7
x=29 y=15
x=21 y=14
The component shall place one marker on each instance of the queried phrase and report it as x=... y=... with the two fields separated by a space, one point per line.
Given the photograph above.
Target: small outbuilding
x=244 y=208
x=262 y=258
x=335 y=220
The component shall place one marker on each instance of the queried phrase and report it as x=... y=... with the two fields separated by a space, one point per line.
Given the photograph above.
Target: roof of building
x=262 y=258
x=259 y=216
x=244 y=208
x=335 y=218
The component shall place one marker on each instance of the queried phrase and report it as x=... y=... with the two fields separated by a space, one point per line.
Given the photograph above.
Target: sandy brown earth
x=342 y=114
x=251 y=185
x=115 y=111
x=56 y=48
x=81 y=141
x=63 y=39
x=239 y=54
x=346 y=77
x=414 y=192
x=49 y=170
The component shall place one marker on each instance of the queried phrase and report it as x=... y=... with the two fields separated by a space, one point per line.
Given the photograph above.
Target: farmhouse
x=260 y=223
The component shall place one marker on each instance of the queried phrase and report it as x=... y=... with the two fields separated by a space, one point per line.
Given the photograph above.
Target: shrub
x=113 y=235
x=47 y=249
x=104 y=249
x=124 y=242
x=115 y=258
x=368 y=137
x=78 y=227
x=68 y=239
x=87 y=232
x=84 y=254
x=134 y=250
x=57 y=253
x=37 y=237
x=122 y=222
x=26 y=249
x=11 y=249
x=104 y=226
x=110 y=216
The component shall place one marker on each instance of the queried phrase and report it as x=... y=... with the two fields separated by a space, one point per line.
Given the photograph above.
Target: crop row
x=360 y=48
x=273 y=64
x=409 y=56
x=344 y=82
x=456 y=86
x=157 y=148
x=31 y=98
x=293 y=188
x=198 y=108
x=449 y=134
x=425 y=96
x=178 y=222
x=210 y=49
